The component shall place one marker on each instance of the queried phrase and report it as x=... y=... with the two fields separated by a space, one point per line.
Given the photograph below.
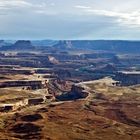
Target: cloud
x=90 y=19
x=10 y=7
x=52 y=4
x=82 y=7
x=14 y=3
x=15 y=7
x=132 y=19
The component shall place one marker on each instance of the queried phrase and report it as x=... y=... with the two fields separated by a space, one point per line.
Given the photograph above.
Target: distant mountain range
x=105 y=45
x=43 y=42
x=6 y=43
x=25 y=44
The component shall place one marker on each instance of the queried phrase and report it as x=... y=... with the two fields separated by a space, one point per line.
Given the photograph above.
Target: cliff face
x=79 y=91
x=128 y=79
x=33 y=84
x=63 y=45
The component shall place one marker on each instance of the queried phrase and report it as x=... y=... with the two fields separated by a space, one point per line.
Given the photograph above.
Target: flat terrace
x=10 y=96
x=9 y=66
x=105 y=87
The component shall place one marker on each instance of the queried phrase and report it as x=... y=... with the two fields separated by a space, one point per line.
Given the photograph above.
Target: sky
x=70 y=19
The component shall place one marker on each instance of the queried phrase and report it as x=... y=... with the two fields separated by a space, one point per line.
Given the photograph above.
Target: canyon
x=69 y=90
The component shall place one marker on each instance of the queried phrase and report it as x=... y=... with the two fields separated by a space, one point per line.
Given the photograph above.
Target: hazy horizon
x=69 y=39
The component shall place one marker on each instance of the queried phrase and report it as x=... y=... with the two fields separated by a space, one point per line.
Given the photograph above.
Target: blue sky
x=70 y=19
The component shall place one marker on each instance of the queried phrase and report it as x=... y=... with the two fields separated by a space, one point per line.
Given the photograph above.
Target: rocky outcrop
x=14 y=106
x=63 y=45
x=79 y=91
x=6 y=107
